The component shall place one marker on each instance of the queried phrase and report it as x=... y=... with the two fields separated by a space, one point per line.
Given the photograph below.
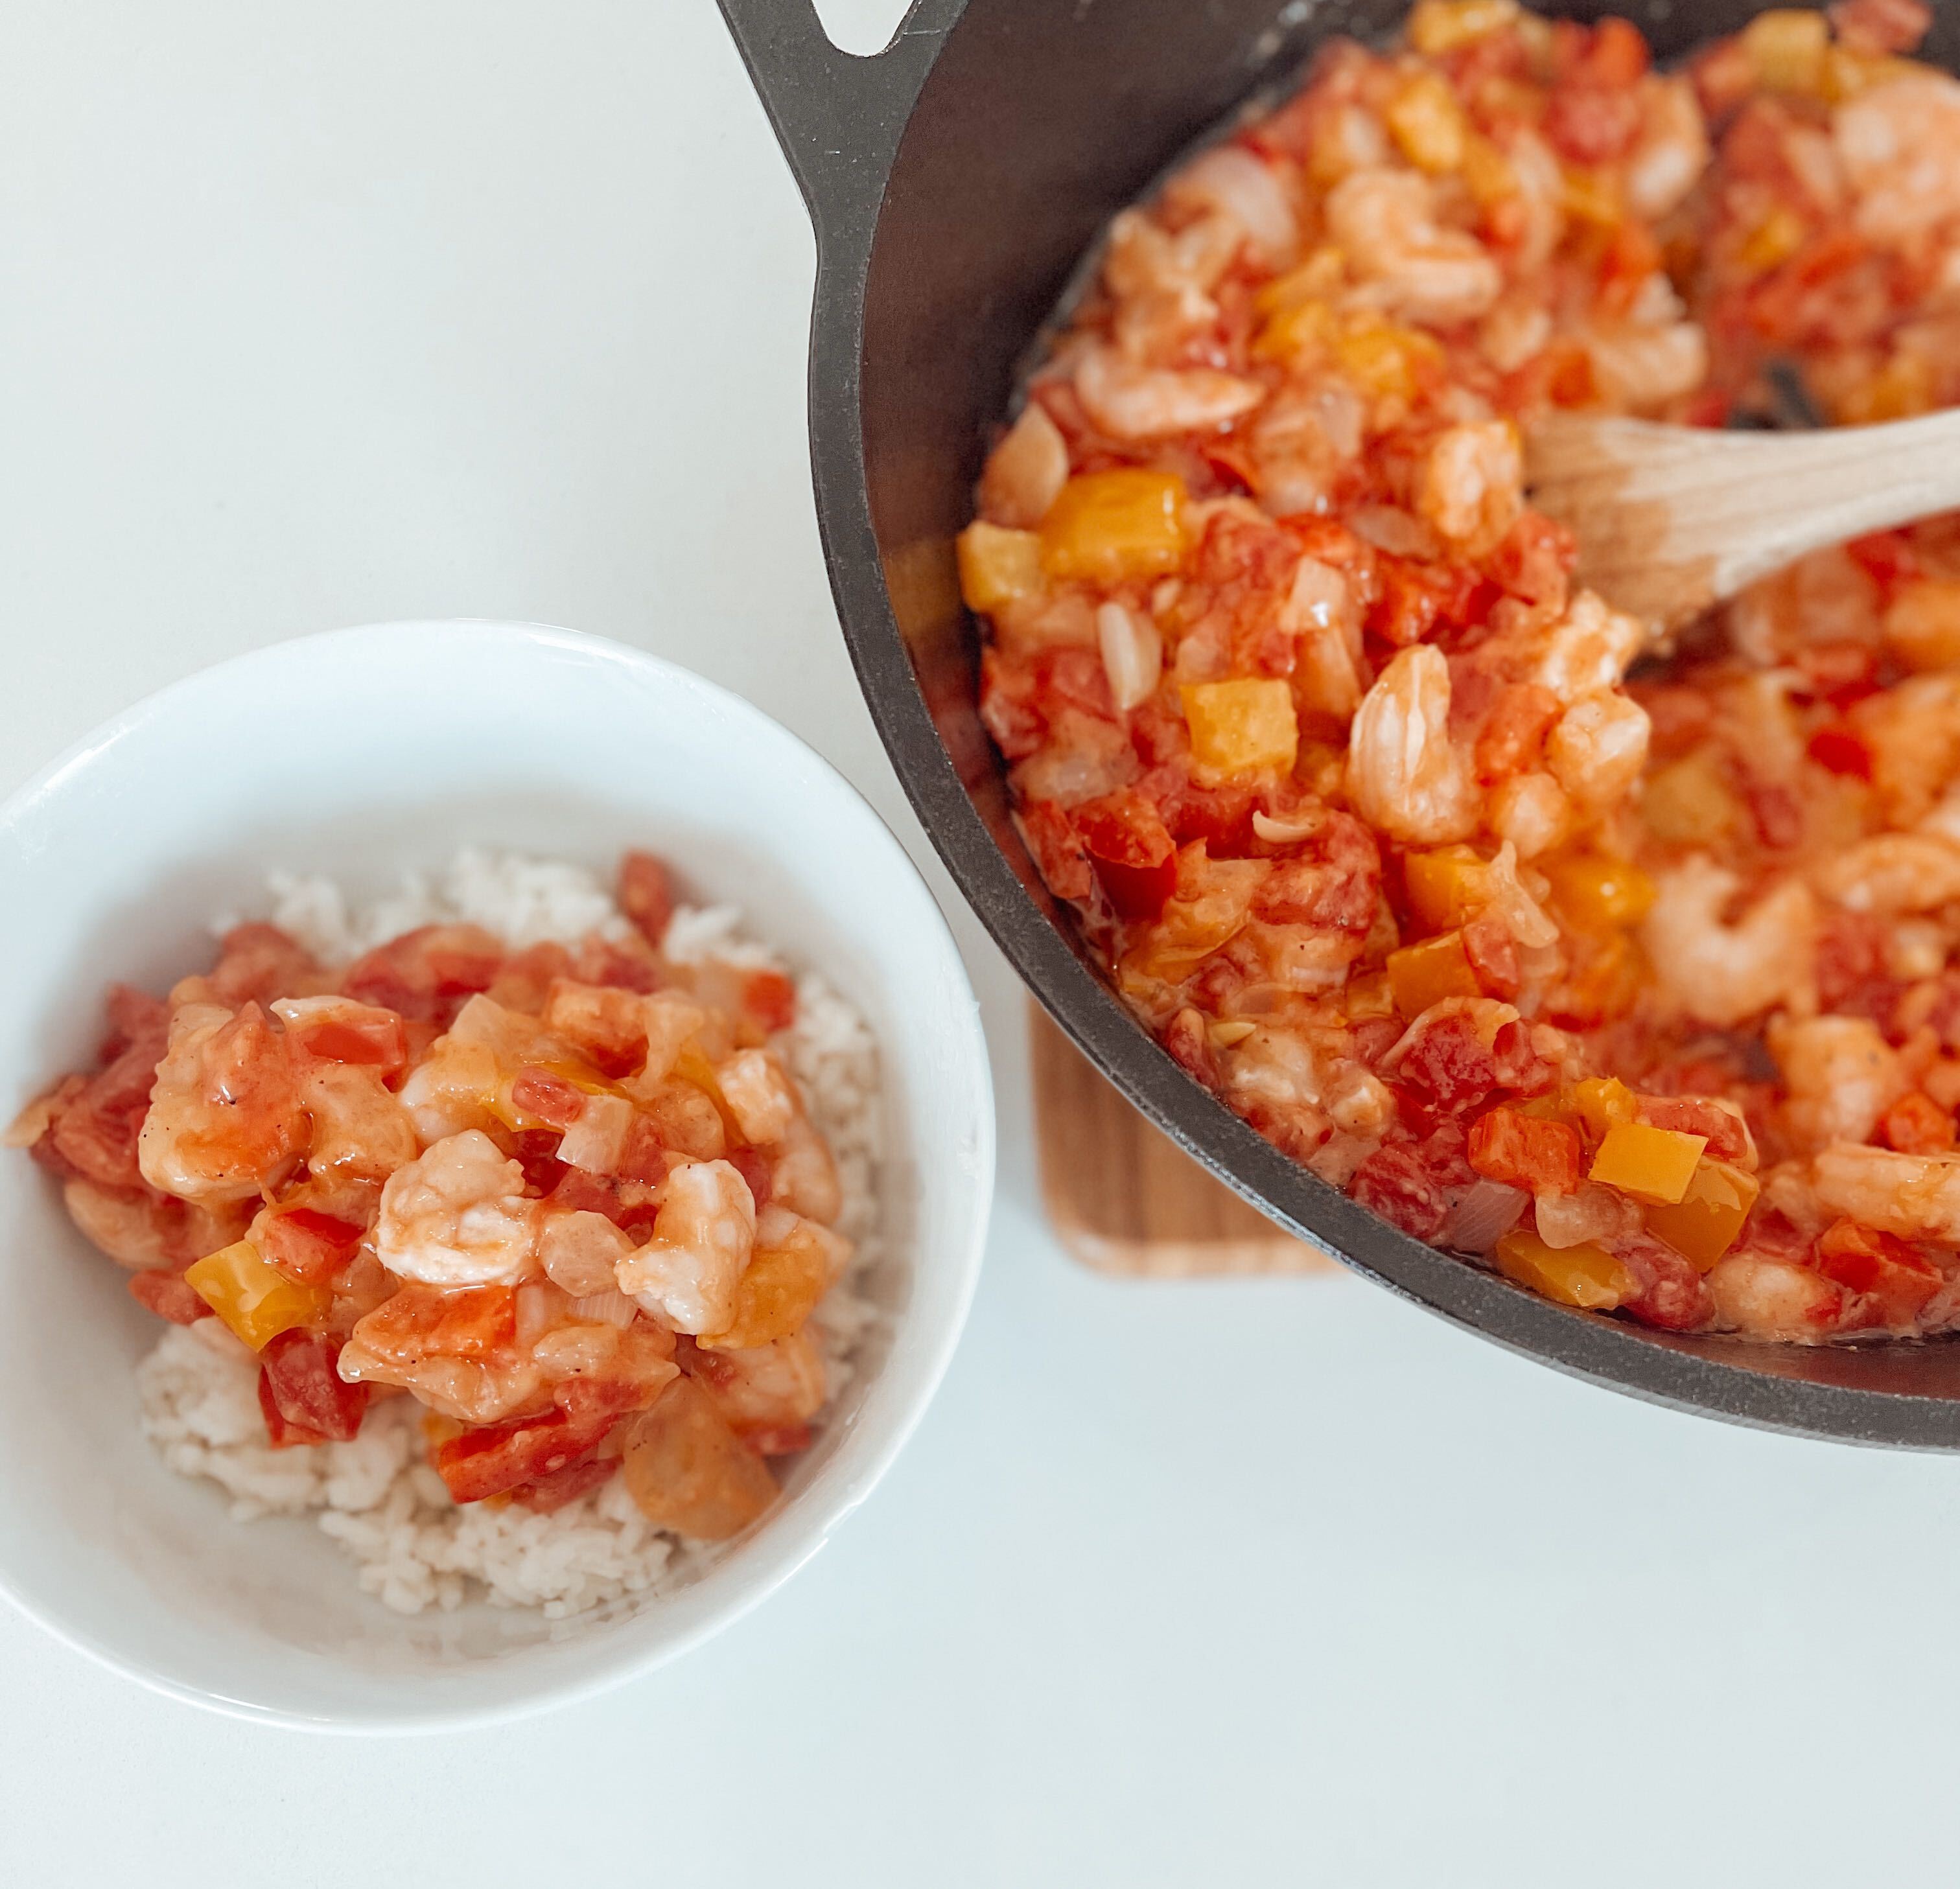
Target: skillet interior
x=1035 y=122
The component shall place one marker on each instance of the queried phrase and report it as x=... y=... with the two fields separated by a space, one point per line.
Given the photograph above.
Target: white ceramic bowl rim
x=959 y=1086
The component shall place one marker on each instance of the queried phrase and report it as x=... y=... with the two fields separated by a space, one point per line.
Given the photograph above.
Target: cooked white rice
x=377 y=1496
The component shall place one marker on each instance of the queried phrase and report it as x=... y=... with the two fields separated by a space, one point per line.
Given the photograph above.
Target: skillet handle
x=838 y=116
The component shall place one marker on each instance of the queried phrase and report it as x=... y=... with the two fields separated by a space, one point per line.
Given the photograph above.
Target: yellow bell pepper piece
x=1489 y=174
x=1601 y=1102
x=998 y=567
x=1426 y=121
x=1295 y=328
x=1903 y=387
x=1445 y=887
x=1104 y=527
x=1599 y=892
x=1244 y=726
x=256 y=1300
x=1585 y=1275
x=1709 y=1218
x=778 y=1290
x=1923 y=625
x=1775 y=240
x=1658 y=1163
x=1591 y=196
x=1421 y=974
x=1312 y=281
x=1442 y=26
x=1368 y=997
x=1785 y=46
x=1381 y=358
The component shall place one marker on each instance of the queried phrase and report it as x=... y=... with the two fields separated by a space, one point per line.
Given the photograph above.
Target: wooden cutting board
x=1125 y=1199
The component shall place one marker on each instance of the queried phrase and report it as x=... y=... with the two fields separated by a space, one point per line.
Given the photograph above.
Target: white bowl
x=358 y=754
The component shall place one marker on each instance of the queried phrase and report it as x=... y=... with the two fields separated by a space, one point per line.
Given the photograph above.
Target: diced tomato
x=1673 y=1296
x=536 y=1151
x=776 y=1439
x=1394 y=1183
x=1132 y=851
x=1726 y=1133
x=165 y=1294
x=305 y=1244
x=1492 y=953
x=300 y=1386
x=624 y=964
x=629 y=1203
x=1864 y=1260
x=428 y=974
x=552 y=1493
x=1448 y=1063
x=371 y=1037
x=755 y=1167
x=1632 y=258
x=96 y=1129
x=1837 y=748
x=769 y=999
x=646 y=895
x=134 y=1015
x=1059 y=855
x=1916 y=1124
x=1888 y=556
x=259 y=962
x=548 y=1095
x=505 y=1456
x=1542 y=1157
x=1590 y=124
x=1514 y=729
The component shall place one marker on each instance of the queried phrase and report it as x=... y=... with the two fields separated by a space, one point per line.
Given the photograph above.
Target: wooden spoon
x=1672 y=519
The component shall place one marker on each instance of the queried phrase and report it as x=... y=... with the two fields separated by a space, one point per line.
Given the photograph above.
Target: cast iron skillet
x=954 y=180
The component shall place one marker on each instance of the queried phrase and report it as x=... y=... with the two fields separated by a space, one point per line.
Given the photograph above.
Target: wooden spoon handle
x=1671 y=519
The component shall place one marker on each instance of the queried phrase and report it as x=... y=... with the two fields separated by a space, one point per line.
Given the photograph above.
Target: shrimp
x=1598 y=749
x=359 y=1129
x=1913 y=732
x=1530 y=813
x=1318 y=610
x=1892 y=872
x=1842 y=1076
x=1672 y=151
x=687 y=1274
x=1764 y=1297
x=1899 y=144
x=457 y=1215
x=759 y=1095
x=1719 y=973
x=125 y=1226
x=1405 y=776
x=1471 y=487
x=1644 y=364
x=1411 y=266
x=771 y=1387
x=225 y=1116
x=456 y=1350
x=1230 y=179
x=1130 y=402
x=689 y=1471
x=1024 y=472
x=804 y=1178
x=1915 y=1196
x=1586 y=650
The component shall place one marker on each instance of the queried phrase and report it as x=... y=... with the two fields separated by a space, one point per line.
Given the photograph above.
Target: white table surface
x=314 y=316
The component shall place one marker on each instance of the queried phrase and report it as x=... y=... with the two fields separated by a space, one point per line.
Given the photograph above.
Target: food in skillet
x=1641 y=988
x=511 y=1241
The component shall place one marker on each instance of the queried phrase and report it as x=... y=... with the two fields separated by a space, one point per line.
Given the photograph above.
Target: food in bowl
x=510 y=1226
x=1639 y=986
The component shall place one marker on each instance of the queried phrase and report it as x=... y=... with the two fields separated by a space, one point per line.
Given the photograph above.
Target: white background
x=314 y=315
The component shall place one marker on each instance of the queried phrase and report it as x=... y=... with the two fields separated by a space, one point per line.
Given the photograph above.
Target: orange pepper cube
x=1427 y=123
x=1602 y=1101
x=255 y=1299
x=1785 y=47
x=1658 y=1164
x=1421 y=974
x=1586 y=1275
x=998 y=567
x=1709 y=1218
x=1598 y=892
x=1241 y=727
x=1445 y=887
x=1106 y=527
x=1443 y=26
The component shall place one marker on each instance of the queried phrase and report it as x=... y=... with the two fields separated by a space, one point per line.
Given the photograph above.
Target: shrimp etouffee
x=569 y=1199
x=1634 y=978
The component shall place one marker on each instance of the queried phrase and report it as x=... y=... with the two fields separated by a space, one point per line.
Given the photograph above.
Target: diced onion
x=540 y=1306
x=1132 y=654
x=604 y=1307
x=1301 y=826
x=1487 y=1212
